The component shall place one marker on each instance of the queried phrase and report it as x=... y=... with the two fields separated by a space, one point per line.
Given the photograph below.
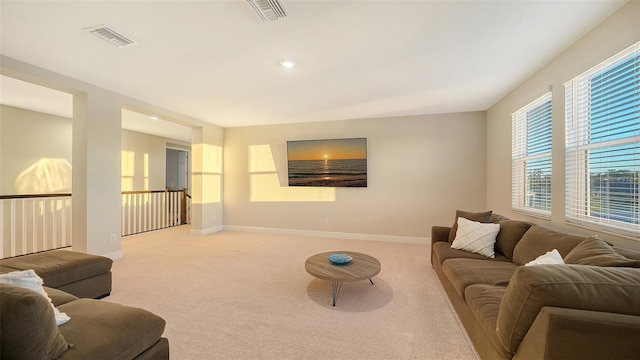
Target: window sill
x=540 y=214
x=622 y=233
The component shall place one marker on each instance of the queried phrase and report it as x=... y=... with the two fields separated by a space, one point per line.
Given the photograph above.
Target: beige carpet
x=242 y=295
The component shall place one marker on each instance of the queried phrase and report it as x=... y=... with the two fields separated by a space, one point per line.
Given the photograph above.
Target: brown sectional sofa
x=587 y=308
x=97 y=330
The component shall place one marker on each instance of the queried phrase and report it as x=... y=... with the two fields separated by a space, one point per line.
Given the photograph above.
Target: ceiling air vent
x=268 y=10
x=113 y=37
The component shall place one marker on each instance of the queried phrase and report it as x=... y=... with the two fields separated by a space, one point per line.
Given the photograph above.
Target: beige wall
x=144 y=160
x=33 y=144
x=615 y=34
x=420 y=170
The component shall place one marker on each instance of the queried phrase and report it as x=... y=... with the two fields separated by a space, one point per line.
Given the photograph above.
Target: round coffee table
x=361 y=267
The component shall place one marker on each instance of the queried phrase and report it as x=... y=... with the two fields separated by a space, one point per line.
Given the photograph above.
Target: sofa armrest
x=531 y=288
x=439 y=233
x=570 y=334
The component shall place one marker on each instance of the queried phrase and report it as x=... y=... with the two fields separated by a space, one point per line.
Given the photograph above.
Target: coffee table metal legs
x=335 y=289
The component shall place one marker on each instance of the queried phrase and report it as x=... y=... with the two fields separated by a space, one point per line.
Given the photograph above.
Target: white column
x=206 y=165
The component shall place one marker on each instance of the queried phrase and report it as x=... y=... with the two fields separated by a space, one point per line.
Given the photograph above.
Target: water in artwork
x=333 y=173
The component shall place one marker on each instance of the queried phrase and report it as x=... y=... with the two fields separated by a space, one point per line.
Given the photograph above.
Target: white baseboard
x=333 y=235
x=114 y=255
x=208 y=231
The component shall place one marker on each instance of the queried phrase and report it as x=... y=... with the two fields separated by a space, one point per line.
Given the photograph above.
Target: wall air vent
x=268 y=10
x=113 y=37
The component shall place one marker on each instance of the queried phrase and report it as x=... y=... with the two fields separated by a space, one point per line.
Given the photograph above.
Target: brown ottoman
x=80 y=274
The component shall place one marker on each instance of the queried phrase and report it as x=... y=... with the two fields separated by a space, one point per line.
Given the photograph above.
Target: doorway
x=177 y=170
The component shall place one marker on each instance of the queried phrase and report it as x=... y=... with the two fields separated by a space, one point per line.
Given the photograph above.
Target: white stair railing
x=34 y=223
x=150 y=210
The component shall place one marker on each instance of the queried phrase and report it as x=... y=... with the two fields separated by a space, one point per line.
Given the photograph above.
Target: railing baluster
x=54 y=230
x=70 y=241
x=163 y=210
x=144 y=212
x=63 y=221
x=139 y=212
x=134 y=203
x=23 y=211
x=13 y=230
x=172 y=209
x=45 y=241
x=169 y=208
x=122 y=211
x=34 y=225
x=2 y=229
x=129 y=214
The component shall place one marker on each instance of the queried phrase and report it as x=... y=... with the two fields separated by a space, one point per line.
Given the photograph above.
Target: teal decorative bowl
x=340 y=259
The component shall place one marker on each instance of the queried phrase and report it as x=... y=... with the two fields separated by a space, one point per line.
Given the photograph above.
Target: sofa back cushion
x=511 y=231
x=483 y=217
x=531 y=288
x=28 y=326
x=539 y=240
x=595 y=252
x=496 y=218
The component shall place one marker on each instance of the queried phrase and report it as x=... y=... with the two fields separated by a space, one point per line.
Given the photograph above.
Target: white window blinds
x=531 y=158
x=603 y=145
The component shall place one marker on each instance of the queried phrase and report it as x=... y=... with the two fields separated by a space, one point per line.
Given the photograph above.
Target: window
x=531 y=158
x=603 y=145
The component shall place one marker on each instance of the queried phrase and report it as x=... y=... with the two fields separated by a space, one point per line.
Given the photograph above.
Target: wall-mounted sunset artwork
x=332 y=163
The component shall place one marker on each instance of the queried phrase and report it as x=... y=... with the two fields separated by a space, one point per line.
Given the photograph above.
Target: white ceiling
x=135 y=121
x=25 y=95
x=216 y=61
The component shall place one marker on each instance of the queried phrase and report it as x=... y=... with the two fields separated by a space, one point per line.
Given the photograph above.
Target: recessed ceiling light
x=286 y=63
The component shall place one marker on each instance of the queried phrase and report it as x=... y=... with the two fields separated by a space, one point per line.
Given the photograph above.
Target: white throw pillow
x=476 y=237
x=28 y=279
x=550 y=258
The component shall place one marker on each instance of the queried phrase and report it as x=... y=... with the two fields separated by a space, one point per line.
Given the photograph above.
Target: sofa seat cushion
x=443 y=251
x=59 y=297
x=484 y=303
x=102 y=330
x=61 y=267
x=28 y=326
x=465 y=272
x=539 y=240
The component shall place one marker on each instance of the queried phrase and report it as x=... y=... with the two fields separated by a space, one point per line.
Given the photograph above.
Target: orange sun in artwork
x=325 y=156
